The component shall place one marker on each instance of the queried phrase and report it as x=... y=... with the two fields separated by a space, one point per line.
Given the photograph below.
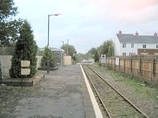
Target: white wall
x=128 y=49
x=117 y=46
x=148 y=46
x=6 y=64
x=67 y=60
x=38 y=61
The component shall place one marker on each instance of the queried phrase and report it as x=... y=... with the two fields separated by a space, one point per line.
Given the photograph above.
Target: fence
x=139 y=66
x=5 y=61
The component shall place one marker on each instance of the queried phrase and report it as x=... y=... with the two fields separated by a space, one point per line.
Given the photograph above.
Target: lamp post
x=48 y=37
x=61 y=55
x=67 y=47
x=49 y=23
x=61 y=58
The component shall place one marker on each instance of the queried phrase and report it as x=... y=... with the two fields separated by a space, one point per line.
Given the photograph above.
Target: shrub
x=26 y=49
x=47 y=55
x=0 y=71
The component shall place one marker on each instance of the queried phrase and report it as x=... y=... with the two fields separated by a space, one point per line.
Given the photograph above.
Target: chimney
x=136 y=34
x=120 y=32
x=155 y=34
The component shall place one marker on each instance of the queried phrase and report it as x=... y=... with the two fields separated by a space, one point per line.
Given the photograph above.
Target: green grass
x=140 y=86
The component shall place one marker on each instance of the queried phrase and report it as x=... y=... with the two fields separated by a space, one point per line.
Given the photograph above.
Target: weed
x=139 y=85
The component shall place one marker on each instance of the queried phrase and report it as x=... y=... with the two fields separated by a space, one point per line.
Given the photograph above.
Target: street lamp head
x=58 y=14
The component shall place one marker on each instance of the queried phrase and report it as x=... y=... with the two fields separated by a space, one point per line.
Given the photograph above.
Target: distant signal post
x=103 y=59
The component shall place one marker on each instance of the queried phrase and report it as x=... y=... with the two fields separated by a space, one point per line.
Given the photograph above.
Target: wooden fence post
x=115 y=63
x=111 y=62
x=119 y=64
x=124 y=65
x=153 y=69
x=131 y=66
x=140 y=65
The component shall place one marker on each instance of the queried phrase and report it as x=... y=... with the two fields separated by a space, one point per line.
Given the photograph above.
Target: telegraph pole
x=67 y=46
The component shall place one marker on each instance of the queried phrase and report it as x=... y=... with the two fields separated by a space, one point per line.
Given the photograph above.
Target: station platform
x=63 y=93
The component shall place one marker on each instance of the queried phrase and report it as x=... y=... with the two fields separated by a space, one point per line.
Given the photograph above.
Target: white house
x=130 y=44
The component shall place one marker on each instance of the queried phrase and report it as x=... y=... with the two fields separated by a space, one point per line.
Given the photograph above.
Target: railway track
x=113 y=104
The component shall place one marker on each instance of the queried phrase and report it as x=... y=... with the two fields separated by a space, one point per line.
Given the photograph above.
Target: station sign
x=25 y=64
x=25 y=71
x=117 y=61
x=103 y=58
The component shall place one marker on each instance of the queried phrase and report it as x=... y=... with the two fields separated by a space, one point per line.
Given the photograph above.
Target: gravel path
x=61 y=94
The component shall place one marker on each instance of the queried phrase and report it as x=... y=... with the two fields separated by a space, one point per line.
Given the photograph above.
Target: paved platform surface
x=61 y=94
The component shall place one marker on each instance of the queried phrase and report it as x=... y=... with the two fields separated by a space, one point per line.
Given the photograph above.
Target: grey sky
x=88 y=23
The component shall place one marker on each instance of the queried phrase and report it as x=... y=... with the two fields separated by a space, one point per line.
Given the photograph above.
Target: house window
x=144 y=46
x=124 y=45
x=124 y=54
x=156 y=46
x=132 y=45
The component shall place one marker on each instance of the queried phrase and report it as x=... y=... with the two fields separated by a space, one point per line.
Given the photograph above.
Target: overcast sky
x=88 y=23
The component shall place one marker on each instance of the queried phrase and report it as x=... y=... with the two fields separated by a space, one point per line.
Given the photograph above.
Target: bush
x=26 y=49
x=47 y=55
x=0 y=72
x=96 y=57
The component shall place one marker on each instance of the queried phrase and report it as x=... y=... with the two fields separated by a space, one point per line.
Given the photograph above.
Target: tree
x=26 y=49
x=92 y=51
x=80 y=57
x=69 y=49
x=10 y=32
x=47 y=55
x=107 y=48
x=7 y=9
x=96 y=57
x=14 y=30
x=0 y=71
x=9 y=29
